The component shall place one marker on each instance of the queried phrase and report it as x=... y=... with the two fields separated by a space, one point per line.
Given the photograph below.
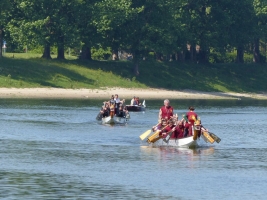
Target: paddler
x=191 y=116
x=166 y=111
x=166 y=130
x=162 y=123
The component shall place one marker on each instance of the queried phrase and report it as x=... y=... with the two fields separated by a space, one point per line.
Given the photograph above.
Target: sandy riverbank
x=105 y=93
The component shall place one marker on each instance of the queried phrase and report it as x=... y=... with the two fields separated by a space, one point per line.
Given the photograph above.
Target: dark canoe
x=135 y=108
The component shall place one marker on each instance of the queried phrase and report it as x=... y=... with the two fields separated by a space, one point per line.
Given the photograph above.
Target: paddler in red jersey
x=175 y=131
x=166 y=111
x=192 y=117
x=168 y=129
x=178 y=131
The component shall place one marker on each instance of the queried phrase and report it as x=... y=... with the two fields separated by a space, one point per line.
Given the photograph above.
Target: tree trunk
x=46 y=53
x=192 y=53
x=158 y=56
x=256 y=51
x=1 y=42
x=240 y=54
x=60 y=48
x=86 y=53
x=136 y=57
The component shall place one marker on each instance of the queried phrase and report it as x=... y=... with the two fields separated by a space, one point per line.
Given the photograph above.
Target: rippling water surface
x=55 y=149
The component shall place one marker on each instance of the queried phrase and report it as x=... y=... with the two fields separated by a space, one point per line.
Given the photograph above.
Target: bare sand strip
x=124 y=93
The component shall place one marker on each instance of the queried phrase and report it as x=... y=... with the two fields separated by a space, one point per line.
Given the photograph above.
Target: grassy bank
x=29 y=70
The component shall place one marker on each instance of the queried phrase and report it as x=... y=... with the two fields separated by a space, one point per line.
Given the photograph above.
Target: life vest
x=166 y=112
x=191 y=116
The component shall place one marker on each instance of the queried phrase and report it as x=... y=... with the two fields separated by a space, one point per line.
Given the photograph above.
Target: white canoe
x=115 y=120
x=187 y=142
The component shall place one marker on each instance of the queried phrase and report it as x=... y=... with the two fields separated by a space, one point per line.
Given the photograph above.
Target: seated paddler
x=169 y=128
x=162 y=123
x=122 y=112
x=105 y=111
x=178 y=131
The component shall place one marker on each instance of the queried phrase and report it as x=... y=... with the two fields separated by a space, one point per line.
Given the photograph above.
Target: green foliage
x=101 y=53
x=217 y=57
x=136 y=26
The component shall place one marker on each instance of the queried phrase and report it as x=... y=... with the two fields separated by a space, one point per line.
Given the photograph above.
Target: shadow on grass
x=165 y=75
x=40 y=71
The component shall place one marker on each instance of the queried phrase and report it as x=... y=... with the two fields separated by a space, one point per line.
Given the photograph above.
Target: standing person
x=166 y=111
x=117 y=103
x=112 y=106
x=191 y=116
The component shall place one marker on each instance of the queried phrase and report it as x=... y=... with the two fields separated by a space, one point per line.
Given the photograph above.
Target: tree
x=46 y=23
x=4 y=13
x=87 y=29
x=138 y=26
x=260 y=8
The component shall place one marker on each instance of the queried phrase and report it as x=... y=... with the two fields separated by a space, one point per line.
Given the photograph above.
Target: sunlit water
x=55 y=149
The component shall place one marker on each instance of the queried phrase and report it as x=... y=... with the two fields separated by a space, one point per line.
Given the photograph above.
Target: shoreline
x=124 y=93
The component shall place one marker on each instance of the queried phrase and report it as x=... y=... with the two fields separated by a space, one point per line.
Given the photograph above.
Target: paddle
x=147 y=133
x=167 y=138
x=207 y=137
x=155 y=137
x=215 y=137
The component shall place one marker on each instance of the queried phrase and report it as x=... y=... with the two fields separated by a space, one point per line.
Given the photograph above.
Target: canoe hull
x=114 y=120
x=135 y=108
x=187 y=142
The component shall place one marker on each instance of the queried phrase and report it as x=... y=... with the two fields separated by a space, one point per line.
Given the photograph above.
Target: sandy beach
x=105 y=93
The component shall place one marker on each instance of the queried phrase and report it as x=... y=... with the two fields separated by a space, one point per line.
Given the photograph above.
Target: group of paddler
x=113 y=107
x=169 y=127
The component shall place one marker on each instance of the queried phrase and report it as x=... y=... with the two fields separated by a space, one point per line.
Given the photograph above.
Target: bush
x=101 y=54
x=216 y=57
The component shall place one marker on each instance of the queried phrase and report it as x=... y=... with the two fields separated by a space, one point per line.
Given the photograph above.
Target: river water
x=55 y=149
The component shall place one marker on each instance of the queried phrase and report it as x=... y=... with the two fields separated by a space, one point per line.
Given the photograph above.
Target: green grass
x=27 y=70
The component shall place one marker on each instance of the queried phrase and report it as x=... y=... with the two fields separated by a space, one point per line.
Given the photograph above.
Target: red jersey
x=179 y=132
x=191 y=116
x=166 y=112
x=166 y=130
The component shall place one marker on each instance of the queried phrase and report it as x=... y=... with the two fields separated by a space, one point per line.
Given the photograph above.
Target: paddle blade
x=144 y=103
x=208 y=137
x=145 y=134
x=215 y=137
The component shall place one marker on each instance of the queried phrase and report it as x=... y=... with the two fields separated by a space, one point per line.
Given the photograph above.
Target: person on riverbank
x=166 y=111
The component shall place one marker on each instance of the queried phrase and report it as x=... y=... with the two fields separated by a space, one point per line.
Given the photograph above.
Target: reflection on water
x=57 y=150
